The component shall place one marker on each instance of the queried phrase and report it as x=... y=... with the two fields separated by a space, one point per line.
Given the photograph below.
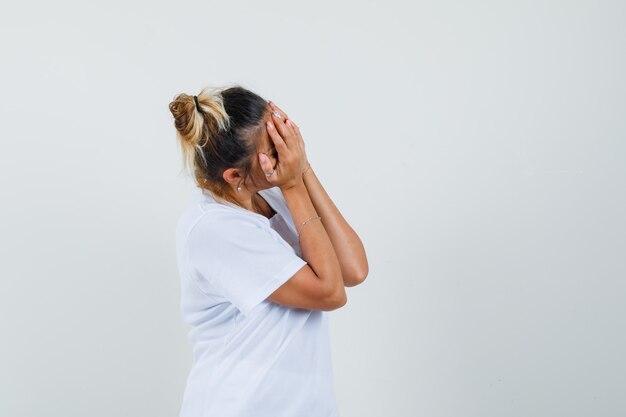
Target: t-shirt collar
x=201 y=193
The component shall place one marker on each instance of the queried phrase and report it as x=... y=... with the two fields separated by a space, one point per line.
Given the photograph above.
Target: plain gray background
x=477 y=147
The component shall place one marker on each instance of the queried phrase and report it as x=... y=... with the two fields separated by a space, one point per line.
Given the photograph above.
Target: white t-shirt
x=251 y=357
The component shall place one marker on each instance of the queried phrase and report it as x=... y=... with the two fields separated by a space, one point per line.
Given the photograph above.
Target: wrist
x=298 y=183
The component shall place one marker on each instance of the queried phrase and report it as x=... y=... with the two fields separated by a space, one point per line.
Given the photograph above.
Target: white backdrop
x=477 y=147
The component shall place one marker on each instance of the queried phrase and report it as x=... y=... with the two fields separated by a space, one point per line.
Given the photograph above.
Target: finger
x=286 y=132
x=293 y=126
x=296 y=130
x=278 y=110
x=275 y=137
x=266 y=164
x=282 y=114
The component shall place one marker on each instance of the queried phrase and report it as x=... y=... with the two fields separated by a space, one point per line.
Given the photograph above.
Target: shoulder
x=220 y=226
x=218 y=219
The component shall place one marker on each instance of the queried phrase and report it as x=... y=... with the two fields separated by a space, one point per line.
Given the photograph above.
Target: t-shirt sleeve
x=243 y=260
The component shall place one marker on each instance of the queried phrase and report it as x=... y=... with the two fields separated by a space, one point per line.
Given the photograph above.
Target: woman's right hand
x=290 y=148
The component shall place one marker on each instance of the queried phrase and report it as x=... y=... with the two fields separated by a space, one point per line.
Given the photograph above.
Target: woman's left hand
x=299 y=140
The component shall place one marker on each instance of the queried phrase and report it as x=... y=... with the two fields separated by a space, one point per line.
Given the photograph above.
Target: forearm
x=315 y=244
x=347 y=244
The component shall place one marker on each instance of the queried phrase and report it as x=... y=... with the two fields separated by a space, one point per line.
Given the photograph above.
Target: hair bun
x=198 y=119
x=197 y=105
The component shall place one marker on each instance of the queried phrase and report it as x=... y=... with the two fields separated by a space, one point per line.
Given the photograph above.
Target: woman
x=263 y=255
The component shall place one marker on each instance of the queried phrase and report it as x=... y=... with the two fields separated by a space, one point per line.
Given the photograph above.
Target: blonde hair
x=222 y=133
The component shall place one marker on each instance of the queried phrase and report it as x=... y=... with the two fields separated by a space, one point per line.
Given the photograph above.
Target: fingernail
x=269 y=124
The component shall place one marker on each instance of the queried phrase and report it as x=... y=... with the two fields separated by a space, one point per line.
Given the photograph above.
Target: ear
x=231 y=176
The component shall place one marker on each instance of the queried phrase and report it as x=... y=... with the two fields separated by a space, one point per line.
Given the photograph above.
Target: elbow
x=337 y=299
x=360 y=277
x=356 y=278
x=342 y=300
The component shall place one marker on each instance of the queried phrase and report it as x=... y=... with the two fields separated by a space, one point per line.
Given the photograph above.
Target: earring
x=239 y=187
